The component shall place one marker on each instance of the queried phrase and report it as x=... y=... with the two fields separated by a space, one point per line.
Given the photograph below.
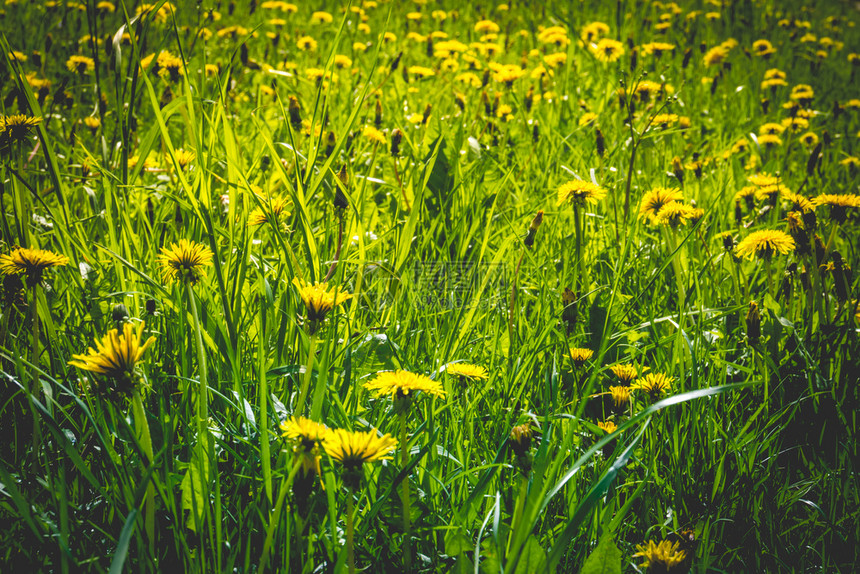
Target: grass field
x=429 y=287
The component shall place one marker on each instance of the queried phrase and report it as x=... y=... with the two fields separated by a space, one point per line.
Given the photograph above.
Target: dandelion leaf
x=606 y=559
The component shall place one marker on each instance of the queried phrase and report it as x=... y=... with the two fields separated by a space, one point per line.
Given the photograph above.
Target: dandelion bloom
x=620 y=396
x=468 y=371
x=319 y=299
x=592 y=31
x=374 y=135
x=184 y=261
x=116 y=356
x=579 y=356
x=30 y=262
x=716 y=56
x=608 y=427
x=607 y=50
x=486 y=26
x=663 y=557
x=676 y=213
x=654 y=200
x=80 y=64
x=306 y=43
x=305 y=436
x=277 y=207
x=655 y=384
x=625 y=373
x=353 y=449
x=17 y=127
x=402 y=383
x=580 y=192
x=765 y=243
x=839 y=204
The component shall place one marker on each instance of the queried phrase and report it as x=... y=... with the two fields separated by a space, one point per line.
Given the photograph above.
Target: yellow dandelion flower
x=274 y=211
x=579 y=192
x=468 y=371
x=319 y=299
x=715 y=56
x=839 y=204
x=607 y=427
x=607 y=50
x=654 y=200
x=184 y=261
x=579 y=356
x=663 y=557
x=16 y=128
x=676 y=213
x=592 y=31
x=116 y=356
x=620 y=396
x=402 y=383
x=80 y=64
x=486 y=26
x=625 y=373
x=305 y=436
x=765 y=243
x=353 y=449
x=655 y=384
x=306 y=44
x=374 y=135
x=30 y=262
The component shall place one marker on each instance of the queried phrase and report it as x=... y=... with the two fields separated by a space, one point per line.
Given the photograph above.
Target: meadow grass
x=381 y=286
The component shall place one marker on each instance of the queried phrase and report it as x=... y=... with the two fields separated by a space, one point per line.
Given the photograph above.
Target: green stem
x=203 y=400
x=306 y=379
x=350 y=532
x=34 y=349
x=404 y=460
x=518 y=509
x=143 y=435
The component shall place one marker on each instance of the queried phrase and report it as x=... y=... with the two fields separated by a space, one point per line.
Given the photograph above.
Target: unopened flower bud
x=753 y=320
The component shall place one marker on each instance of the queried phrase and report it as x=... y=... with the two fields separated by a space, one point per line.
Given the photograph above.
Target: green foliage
x=218 y=123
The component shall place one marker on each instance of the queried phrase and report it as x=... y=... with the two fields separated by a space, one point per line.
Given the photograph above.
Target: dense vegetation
x=388 y=286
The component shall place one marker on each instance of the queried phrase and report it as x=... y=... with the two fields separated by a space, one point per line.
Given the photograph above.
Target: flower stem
x=306 y=379
x=34 y=349
x=350 y=532
x=404 y=459
x=143 y=435
x=203 y=399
